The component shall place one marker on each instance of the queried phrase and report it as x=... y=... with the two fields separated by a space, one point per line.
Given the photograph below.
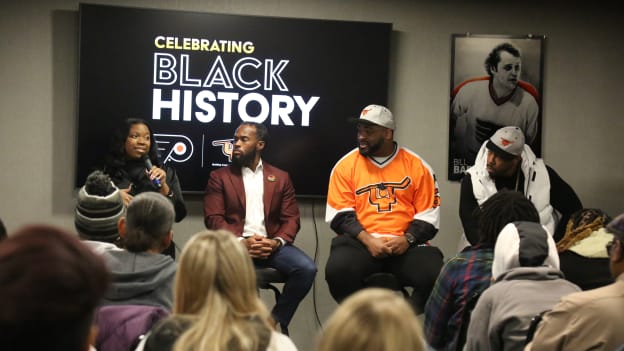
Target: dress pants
x=350 y=263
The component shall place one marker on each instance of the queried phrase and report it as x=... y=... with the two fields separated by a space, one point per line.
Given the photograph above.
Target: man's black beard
x=243 y=160
x=371 y=149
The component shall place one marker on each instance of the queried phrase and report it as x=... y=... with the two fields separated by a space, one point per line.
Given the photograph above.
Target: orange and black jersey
x=388 y=198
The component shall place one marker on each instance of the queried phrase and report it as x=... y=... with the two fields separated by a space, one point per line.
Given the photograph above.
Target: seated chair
x=535 y=321
x=385 y=280
x=265 y=278
x=121 y=326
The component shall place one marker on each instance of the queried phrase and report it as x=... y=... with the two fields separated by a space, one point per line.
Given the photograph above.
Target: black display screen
x=196 y=76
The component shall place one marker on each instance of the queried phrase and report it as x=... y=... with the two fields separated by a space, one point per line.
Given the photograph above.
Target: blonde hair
x=216 y=283
x=372 y=319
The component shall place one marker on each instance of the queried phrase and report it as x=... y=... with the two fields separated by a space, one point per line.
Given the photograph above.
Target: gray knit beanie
x=98 y=209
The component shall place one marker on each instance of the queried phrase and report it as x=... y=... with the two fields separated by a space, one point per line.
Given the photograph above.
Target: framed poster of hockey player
x=496 y=81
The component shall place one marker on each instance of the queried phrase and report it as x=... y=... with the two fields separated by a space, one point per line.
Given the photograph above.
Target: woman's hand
x=125 y=195
x=160 y=174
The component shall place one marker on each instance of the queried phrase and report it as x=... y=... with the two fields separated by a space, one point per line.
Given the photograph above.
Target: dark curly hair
x=116 y=157
x=98 y=183
x=502 y=208
x=492 y=60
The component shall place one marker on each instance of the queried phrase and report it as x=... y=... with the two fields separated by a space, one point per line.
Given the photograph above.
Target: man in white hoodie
x=527 y=281
x=506 y=162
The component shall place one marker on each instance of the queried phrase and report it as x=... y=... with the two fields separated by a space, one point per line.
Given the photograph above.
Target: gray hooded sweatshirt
x=140 y=279
x=527 y=281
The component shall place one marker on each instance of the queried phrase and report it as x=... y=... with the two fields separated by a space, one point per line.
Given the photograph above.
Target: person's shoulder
x=148 y=260
x=596 y=296
x=351 y=155
x=472 y=255
x=457 y=262
x=101 y=247
x=176 y=323
x=548 y=168
x=280 y=342
x=408 y=153
x=470 y=84
x=223 y=171
x=166 y=332
x=413 y=158
x=274 y=170
x=552 y=174
x=165 y=260
x=349 y=159
x=529 y=89
x=466 y=178
x=169 y=168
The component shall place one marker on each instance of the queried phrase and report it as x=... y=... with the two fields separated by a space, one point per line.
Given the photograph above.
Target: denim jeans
x=300 y=271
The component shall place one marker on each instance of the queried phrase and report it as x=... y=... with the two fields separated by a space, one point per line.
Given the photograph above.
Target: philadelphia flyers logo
x=175 y=147
x=382 y=195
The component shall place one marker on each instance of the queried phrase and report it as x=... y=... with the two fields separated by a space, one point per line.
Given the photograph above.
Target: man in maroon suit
x=256 y=202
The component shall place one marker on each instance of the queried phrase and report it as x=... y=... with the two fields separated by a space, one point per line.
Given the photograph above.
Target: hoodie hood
x=523 y=244
x=137 y=275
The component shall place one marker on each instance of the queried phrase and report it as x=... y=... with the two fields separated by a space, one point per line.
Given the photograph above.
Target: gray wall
x=582 y=115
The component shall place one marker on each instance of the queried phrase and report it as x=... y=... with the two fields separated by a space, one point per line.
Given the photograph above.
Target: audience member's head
x=147 y=224
x=216 y=282
x=50 y=285
x=372 y=319
x=224 y=267
x=3 y=231
x=98 y=209
x=524 y=244
x=500 y=209
x=616 y=247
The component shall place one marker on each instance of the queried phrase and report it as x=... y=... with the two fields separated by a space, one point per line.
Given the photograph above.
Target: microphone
x=148 y=166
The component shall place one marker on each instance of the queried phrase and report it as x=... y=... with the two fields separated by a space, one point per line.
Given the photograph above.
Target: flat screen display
x=196 y=76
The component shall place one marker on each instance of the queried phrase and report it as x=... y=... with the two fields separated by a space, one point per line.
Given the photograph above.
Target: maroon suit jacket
x=224 y=202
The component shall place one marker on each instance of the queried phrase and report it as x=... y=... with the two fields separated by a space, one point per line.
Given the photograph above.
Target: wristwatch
x=279 y=241
x=410 y=239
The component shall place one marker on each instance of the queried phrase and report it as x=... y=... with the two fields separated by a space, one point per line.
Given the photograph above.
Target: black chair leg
x=276 y=291
x=266 y=276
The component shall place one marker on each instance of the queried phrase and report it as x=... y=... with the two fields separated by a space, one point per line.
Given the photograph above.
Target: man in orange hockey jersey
x=383 y=203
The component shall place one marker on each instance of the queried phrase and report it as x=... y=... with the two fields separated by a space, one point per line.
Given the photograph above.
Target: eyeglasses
x=609 y=246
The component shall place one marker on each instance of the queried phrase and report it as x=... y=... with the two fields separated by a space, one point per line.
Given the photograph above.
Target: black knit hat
x=98 y=209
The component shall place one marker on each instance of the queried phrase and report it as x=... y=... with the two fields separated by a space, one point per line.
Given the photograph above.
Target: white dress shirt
x=254 y=203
